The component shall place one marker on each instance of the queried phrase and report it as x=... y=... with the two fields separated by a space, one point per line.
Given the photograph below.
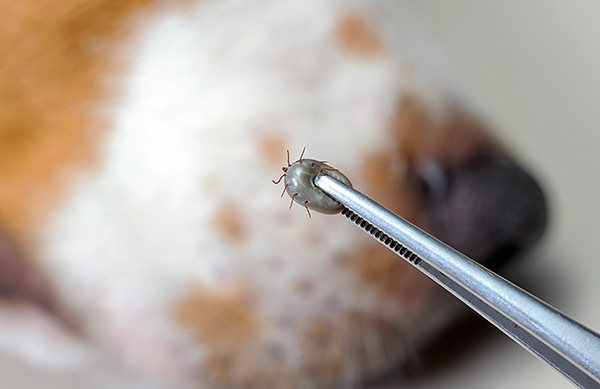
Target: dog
x=140 y=230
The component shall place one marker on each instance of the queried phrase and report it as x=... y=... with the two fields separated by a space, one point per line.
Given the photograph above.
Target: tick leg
x=302 y=155
x=279 y=180
x=328 y=169
x=306 y=206
x=288 y=154
x=292 y=202
x=284 y=188
x=313 y=164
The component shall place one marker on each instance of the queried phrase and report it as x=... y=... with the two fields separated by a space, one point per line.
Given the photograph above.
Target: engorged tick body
x=300 y=186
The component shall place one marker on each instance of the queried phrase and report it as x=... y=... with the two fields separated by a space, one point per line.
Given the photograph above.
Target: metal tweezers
x=566 y=345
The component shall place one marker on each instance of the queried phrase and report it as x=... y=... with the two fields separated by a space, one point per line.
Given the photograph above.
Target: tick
x=300 y=186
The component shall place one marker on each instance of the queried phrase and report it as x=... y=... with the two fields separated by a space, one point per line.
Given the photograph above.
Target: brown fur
x=52 y=57
x=270 y=148
x=228 y=324
x=229 y=223
x=358 y=38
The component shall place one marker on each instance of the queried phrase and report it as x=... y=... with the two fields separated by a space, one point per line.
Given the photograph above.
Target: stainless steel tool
x=566 y=345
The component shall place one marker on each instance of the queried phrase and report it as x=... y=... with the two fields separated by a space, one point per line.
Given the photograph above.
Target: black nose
x=491 y=209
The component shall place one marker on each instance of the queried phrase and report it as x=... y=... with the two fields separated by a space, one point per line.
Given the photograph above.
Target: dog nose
x=490 y=209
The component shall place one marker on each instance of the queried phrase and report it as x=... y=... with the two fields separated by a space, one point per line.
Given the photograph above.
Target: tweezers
x=569 y=347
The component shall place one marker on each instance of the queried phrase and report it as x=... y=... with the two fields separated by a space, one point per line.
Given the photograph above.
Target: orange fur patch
x=227 y=316
x=357 y=37
x=227 y=323
x=228 y=222
x=53 y=57
x=269 y=148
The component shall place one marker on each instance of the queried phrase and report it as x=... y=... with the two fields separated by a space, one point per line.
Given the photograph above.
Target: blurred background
x=533 y=69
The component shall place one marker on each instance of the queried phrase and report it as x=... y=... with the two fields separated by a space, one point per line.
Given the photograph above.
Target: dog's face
x=139 y=142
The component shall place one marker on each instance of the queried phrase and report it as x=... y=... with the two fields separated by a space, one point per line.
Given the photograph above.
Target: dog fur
x=140 y=228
